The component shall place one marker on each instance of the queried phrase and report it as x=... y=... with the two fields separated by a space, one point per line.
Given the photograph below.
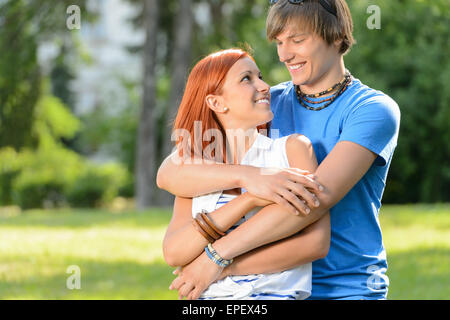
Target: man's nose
x=285 y=55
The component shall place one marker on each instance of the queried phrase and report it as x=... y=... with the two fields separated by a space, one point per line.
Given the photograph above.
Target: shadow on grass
x=422 y=274
x=99 y=280
x=82 y=218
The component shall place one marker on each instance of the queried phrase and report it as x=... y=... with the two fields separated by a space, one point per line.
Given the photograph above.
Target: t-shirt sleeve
x=374 y=124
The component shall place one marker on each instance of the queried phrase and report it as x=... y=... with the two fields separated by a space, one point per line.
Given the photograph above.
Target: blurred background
x=88 y=89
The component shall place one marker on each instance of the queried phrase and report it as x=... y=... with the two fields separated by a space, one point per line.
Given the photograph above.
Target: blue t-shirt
x=356 y=265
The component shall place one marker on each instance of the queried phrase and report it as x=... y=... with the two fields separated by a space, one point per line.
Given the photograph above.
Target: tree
x=146 y=150
x=181 y=60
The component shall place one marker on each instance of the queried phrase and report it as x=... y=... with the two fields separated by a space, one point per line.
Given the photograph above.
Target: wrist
x=242 y=175
x=249 y=201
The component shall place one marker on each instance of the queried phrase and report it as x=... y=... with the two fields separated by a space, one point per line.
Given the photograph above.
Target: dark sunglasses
x=325 y=4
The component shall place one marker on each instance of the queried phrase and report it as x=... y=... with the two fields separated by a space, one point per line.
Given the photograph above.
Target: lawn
x=119 y=254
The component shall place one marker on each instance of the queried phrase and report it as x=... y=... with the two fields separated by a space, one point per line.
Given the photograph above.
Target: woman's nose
x=263 y=86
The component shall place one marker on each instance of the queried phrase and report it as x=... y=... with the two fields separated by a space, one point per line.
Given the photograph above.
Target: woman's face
x=246 y=97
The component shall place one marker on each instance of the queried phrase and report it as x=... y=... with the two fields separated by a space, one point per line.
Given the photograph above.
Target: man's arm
x=338 y=173
x=311 y=244
x=284 y=186
x=198 y=179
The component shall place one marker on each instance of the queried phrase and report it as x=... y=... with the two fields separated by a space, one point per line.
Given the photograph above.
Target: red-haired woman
x=234 y=245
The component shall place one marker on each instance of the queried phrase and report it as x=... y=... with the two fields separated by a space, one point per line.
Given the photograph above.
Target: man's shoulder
x=282 y=88
x=364 y=95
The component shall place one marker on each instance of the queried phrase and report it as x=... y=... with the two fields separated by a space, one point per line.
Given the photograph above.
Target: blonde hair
x=310 y=16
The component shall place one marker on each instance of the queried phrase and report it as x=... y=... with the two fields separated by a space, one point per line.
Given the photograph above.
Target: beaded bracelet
x=215 y=257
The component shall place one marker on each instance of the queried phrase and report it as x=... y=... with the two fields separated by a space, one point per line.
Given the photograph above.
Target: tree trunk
x=181 y=60
x=146 y=140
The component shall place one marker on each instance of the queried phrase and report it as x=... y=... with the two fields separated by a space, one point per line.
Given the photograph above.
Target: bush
x=97 y=186
x=44 y=177
x=10 y=166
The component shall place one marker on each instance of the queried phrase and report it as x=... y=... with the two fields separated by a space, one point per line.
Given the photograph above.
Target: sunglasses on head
x=325 y=4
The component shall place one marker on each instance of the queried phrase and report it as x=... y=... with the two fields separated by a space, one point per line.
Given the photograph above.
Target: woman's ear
x=215 y=103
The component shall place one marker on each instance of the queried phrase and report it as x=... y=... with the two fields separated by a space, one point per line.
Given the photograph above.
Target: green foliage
x=53 y=121
x=97 y=185
x=44 y=177
x=408 y=60
x=10 y=166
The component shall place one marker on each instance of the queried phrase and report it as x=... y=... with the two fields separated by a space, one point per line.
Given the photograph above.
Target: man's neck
x=334 y=75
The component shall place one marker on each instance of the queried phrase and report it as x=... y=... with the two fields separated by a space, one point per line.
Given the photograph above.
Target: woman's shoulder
x=297 y=142
x=300 y=152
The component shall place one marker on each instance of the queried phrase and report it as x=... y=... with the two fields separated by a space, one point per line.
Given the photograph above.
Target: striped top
x=292 y=284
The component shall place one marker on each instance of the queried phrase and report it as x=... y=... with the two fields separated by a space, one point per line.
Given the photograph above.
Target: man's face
x=307 y=56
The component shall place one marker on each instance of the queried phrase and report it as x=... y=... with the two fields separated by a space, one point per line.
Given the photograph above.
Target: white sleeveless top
x=292 y=284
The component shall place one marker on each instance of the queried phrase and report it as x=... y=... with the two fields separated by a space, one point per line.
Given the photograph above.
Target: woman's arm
x=183 y=243
x=270 y=224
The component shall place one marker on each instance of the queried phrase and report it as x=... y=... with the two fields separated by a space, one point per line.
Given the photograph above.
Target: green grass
x=120 y=255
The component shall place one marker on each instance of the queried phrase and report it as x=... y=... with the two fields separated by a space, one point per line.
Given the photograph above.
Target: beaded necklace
x=340 y=86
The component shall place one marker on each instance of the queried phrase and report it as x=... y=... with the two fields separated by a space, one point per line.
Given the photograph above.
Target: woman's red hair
x=207 y=77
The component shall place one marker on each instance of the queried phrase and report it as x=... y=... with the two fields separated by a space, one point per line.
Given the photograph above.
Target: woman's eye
x=246 y=78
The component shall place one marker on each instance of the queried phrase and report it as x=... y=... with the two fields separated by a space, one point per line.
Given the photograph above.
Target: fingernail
x=297 y=212
x=317 y=203
x=320 y=188
x=308 y=210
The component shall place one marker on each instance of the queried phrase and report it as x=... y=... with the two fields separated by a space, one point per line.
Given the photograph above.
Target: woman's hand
x=195 y=277
x=292 y=188
x=257 y=201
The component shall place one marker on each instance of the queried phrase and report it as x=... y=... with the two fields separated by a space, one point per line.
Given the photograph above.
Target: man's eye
x=298 y=41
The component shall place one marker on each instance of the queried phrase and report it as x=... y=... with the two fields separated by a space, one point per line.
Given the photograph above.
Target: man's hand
x=292 y=188
x=195 y=277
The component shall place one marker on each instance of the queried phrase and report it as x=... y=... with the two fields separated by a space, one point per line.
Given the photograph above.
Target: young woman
x=225 y=95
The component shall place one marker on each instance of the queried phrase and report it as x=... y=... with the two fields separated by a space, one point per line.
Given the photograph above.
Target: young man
x=353 y=130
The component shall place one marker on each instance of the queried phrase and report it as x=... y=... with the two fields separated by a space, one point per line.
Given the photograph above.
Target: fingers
x=185 y=290
x=195 y=294
x=299 y=204
x=176 y=284
x=285 y=204
x=307 y=181
x=310 y=198
x=177 y=271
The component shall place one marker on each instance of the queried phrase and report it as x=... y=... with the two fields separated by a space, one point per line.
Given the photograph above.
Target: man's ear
x=215 y=103
x=338 y=43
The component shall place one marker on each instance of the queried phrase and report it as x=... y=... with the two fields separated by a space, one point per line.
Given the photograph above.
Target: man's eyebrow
x=294 y=35
x=297 y=35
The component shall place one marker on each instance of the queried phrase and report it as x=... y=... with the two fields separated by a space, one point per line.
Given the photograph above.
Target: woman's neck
x=239 y=141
